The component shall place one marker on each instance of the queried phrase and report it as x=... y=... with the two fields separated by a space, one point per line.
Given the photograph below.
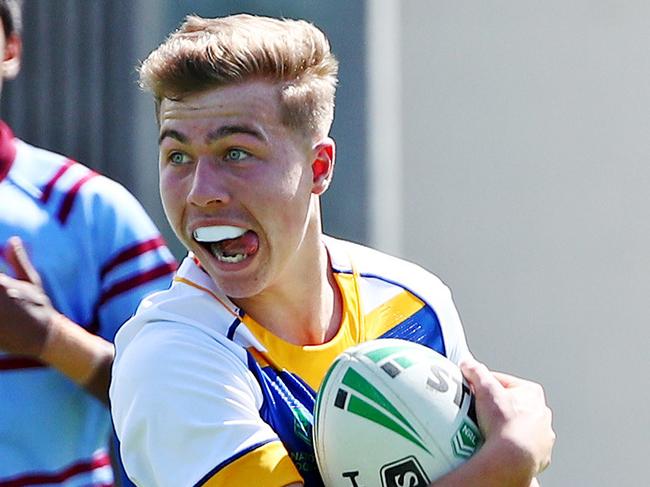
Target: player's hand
x=513 y=415
x=26 y=312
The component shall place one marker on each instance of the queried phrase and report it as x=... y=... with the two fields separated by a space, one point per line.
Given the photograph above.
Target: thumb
x=480 y=378
x=16 y=255
x=508 y=381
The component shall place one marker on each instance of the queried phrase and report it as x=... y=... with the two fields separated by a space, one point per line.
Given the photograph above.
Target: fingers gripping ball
x=393 y=413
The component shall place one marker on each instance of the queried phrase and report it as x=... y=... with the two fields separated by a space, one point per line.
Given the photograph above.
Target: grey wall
x=526 y=157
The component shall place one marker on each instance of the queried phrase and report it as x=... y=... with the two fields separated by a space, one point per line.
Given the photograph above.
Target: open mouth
x=228 y=244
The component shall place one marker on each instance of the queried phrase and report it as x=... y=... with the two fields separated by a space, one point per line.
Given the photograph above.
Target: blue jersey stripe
x=422 y=327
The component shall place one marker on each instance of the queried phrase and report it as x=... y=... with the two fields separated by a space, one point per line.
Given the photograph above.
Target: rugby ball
x=392 y=413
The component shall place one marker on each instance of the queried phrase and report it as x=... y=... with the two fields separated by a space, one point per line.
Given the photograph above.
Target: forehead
x=253 y=101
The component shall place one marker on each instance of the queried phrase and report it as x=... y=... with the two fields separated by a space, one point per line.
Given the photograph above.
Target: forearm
x=491 y=466
x=83 y=357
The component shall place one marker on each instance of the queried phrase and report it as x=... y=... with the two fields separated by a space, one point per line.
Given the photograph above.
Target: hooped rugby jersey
x=204 y=395
x=98 y=254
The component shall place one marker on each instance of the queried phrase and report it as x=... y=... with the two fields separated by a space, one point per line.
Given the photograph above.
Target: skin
x=516 y=421
x=226 y=159
x=513 y=415
x=10 y=52
x=29 y=324
x=23 y=305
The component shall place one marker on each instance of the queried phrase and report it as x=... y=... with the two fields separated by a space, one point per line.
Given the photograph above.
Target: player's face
x=239 y=187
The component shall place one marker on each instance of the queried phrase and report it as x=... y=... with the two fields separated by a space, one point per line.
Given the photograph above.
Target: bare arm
x=516 y=421
x=30 y=326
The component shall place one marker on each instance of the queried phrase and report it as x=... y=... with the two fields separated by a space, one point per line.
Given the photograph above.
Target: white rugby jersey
x=98 y=254
x=204 y=395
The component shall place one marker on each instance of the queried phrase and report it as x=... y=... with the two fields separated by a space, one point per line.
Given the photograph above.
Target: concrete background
x=526 y=187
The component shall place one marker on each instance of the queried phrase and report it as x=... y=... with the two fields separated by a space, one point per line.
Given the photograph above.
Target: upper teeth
x=218 y=232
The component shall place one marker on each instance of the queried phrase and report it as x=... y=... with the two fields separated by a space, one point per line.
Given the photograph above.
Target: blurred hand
x=513 y=415
x=26 y=313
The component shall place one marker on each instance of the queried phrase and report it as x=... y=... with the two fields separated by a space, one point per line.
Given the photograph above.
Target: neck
x=306 y=312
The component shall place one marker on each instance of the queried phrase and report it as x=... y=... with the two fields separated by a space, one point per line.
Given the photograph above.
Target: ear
x=323 y=165
x=11 y=61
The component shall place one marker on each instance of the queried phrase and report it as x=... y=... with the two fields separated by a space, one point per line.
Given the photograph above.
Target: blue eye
x=236 y=154
x=178 y=158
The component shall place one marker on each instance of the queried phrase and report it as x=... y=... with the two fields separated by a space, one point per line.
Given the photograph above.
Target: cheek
x=171 y=195
x=285 y=195
x=293 y=202
x=295 y=185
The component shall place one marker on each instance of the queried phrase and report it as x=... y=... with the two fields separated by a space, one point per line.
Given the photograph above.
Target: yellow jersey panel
x=390 y=314
x=267 y=465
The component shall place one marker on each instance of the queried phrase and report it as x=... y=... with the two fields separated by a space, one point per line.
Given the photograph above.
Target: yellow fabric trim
x=391 y=313
x=352 y=316
x=269 y=464
x=262 y=359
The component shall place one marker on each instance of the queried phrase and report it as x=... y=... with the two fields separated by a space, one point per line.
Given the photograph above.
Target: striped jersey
x=202 y=394
x=98 y=254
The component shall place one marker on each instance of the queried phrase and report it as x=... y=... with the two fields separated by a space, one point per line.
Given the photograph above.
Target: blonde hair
x=208 y=53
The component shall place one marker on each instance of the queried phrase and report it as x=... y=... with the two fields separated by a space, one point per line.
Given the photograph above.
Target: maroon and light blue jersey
x=98 y=254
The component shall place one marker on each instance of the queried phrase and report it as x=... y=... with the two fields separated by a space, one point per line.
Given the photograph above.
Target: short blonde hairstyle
x=208 y=53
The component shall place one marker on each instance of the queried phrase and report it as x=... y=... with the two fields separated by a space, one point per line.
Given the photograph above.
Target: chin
x=235 y=292
x=236 y=287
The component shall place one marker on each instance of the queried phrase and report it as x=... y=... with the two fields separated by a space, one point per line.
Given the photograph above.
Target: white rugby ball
x=392 y=413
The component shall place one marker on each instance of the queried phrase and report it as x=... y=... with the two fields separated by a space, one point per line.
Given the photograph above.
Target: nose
x=208 y=185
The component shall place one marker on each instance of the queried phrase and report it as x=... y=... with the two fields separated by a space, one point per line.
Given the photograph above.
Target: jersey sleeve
x=452 y=329
x=129 y=254
x=413 y=278
x=186 y=410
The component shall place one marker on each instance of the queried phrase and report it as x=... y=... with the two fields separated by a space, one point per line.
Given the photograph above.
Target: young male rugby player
x=214 y=380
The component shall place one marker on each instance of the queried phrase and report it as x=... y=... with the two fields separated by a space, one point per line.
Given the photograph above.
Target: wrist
x=499 y=463
x=49 y=345
x=73 y=351
x=514 y=463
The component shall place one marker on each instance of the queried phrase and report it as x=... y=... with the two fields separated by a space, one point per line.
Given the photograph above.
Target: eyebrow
x=227 y=130
x=220 y=133
x=174 y=134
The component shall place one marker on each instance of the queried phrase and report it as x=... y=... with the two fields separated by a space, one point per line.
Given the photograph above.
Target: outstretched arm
x=30 y=326
x=516 y=421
